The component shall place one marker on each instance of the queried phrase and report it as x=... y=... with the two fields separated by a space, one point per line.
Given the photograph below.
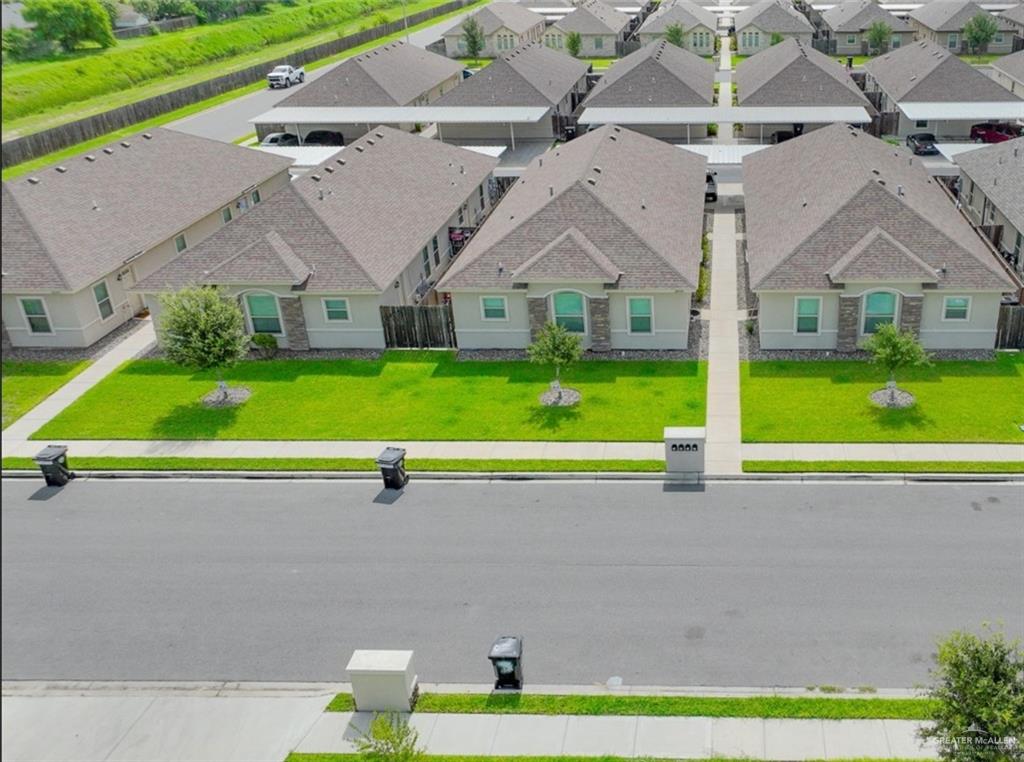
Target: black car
x=711 y=187
x=781 y=136
x=922 y=144
x=324 y=138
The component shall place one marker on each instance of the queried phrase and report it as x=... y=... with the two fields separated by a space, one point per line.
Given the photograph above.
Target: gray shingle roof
x=812 y=201
x=71 y=228
x=951 y=15
x=858 y=15
x=927 y=73
x=1011 y=65
x=592 y=17
x=794 y=74
x=998 y=170
x=773 y=16
x=607 y=202
x=1014 y=14
x=685 y=14
x=530 y=75
x=512 y=16
x=354 y=229
x=659 y=74
x=395 y=74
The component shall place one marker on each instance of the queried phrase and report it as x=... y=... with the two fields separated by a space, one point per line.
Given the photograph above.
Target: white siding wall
x=474 y=332
x=455 y=47
x=750 y=40
x=361 y=331
x=979 y=332
x=777 y=321
x=671 y=323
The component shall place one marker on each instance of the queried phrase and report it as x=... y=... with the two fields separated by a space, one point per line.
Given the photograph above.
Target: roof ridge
x=588 y=247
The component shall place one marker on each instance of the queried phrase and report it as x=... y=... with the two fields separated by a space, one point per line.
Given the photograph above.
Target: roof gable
x=794 y=74
x=858 y=15
x=773 y=16
x=268 y=259
x=511 y=16
x=659 y=74
x=593 y=17
x=685 y=14
x=530 y=75
x=998 y=171
x=951 y=15
x=570 y=256
x=1011 y=65
x=879 y=256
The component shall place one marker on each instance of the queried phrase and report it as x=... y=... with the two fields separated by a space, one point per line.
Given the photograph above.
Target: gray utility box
x=684 y=449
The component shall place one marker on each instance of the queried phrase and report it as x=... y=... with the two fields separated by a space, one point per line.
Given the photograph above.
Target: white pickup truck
x=286 y=76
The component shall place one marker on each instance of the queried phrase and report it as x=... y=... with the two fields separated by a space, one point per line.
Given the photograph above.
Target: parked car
x=711 y=190
x=781 y=136
x=922 y=144
x=994 y=133
x=286 y=76
x=280 y=139
x=324 y=138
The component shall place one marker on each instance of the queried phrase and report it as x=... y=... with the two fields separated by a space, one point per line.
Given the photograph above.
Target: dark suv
x=324 y=138
x=922 y=144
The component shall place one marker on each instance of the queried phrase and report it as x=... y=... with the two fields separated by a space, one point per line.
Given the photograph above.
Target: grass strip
x=27 y=383
x=883 y=467
x=341 y=757
x=774 y=707
x=101 y=463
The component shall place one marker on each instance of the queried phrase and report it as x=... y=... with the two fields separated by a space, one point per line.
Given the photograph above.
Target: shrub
x=70 y=22
x=555 y=346
x=266 y=345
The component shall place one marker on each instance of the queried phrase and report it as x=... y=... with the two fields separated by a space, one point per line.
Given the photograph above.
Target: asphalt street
x=746 y=585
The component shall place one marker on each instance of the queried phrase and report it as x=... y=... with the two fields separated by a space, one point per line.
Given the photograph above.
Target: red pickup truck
x=994 y=133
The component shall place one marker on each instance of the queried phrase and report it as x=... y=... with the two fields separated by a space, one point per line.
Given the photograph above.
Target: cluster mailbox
x=684 y=449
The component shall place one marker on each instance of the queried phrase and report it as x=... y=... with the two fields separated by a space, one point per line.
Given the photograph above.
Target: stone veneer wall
x=600 y=329
x=537 y=309
x=294 y=323
x=849 y=316
x=910 y=314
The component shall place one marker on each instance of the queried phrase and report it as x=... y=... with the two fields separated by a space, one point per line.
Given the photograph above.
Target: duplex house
x=78 y=235
x=830 y=261
x=794 y=76
x=395 y=74
x=601 y=235
x=530 y=76
x=1008 y=71
x=923 y=87
x=599 y=26
x=505 y=26
x=376 y=226
x=942 y=22
x=652 y=80
x=699 y=26
x=758 y=24
x=992 y=195
x=846 y=26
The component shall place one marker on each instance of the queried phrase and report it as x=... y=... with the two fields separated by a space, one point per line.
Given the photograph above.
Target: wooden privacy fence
x=425 y=326
x=46 y=141
x=1010 y=328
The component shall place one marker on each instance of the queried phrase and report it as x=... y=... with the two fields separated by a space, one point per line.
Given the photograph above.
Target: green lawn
x=600 y=63
x=827 y=401
x=342 y=757
x=882 y=467
x=737 y=59
x=26 y=384
x=404 y=395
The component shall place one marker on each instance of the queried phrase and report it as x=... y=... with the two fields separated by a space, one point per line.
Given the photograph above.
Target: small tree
x=573 y=43
x=202 y=330
x=70 y=22
x=776 y=38
x=895 y=350
x=977 y=692
x=555 y=346
x=390 y=739
x=879 y=34
x=980 y=31
x=473 y=36
x=674 y=35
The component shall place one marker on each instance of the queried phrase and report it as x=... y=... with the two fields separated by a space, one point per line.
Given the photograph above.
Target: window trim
x=256 y=196
x=46 y=314
x=952 y=41
x=945 y=302
x=629 y=314
x=796 y=315
x=483 y=311
x=109 y=300
x=248 y=313
x=327 y=315
x=554 y=313
x=184 y=243
x=851 y=39
x=897 y=306
x=225 y=215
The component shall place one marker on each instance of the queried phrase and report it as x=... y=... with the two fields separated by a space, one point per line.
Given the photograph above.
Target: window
x=103 y=299
x=480 y=193
x=921 y=123
x=568 y=309
x=895 y=42
x=956 y=308
x=1018 y=244
x=437 y=251
x=808 y=314
x=879 y=308
x=180 y=244
x=998 y=39
x=35 y=315
x=263 y=313
x=954 y=41
x=336 y=309
x=598 y=43
x=493 y=308
x=641 y=315
x=256 y=198
x=462 y=45
x=225 y=214
x=851 y=39
x=425 y=256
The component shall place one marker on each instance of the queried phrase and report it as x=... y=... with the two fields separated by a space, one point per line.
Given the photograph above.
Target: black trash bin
x=391 y=463
x=507 y=657
x=53 y=462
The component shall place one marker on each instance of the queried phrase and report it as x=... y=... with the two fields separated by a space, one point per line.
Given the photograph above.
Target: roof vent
x=34 y=180
x=360 y=149
x=316 y=177
x=540 y=162
x=379 y=134
x=125 y=144
x=643 y=204
x=804 y=203
x=597 y=169
x=340 y=161
x=875 y=172
x=62 y=169
x=147 y=135
x=329 y=169
x=90 y=157
x=881 y=182
x=370 y=141
x=551 y=190
x=899 y=190
x=108 y=150
x=592 y=181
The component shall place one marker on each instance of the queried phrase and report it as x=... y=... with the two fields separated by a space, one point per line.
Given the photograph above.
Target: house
x=395 y=74
x=846 y=27
x=992 y=195
x=925 y=88
x=830 y=261
x=1015 y=18
x=699 y=26
x=533 y=76
x=794 y=76
x=658 y=76
x=374 y=227
x=758 y=24
x=942 y=22
x=1008 y=71
x=505 y=26
x=599 y=26
x=78 y=235
x=601 y=235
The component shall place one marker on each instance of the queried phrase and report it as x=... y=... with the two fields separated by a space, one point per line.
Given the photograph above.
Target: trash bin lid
x=390 y=456
x=507 y=647
x=50 y=453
